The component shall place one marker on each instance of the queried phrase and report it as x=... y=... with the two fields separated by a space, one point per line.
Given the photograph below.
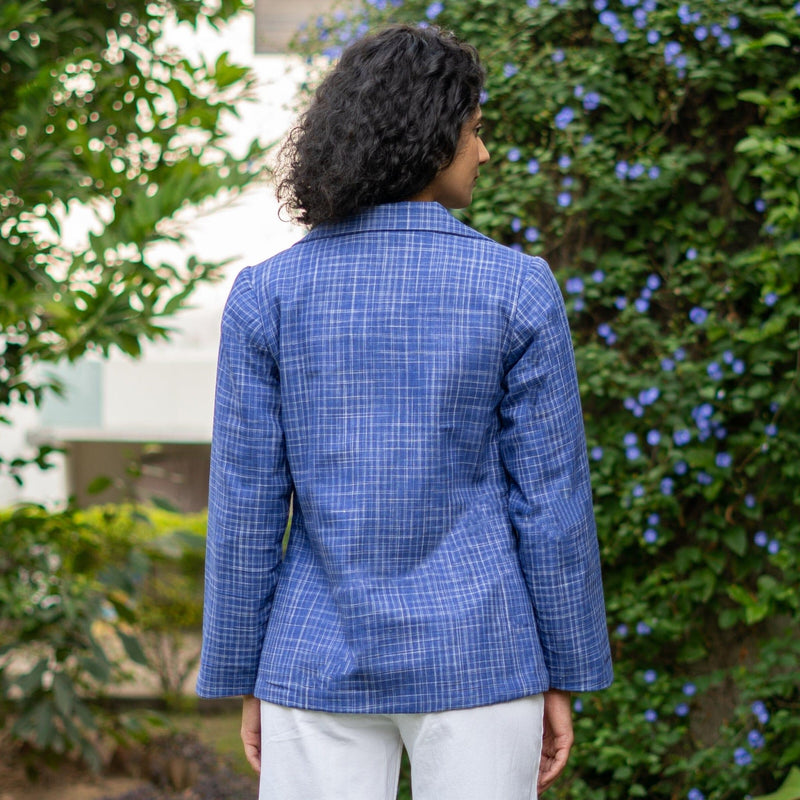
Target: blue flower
x=667 y=486
x=714 y=371
x=514 y=154
x=622 y=630
x=742 y=757
x=653 y=519
x=650 y=535
x=636 y=171
x=643 y=629
x=725 y=41
x=773 y=547
x=630 y=439
x=760 y=710
x=638 y=490
x=577 y=706
x=653 y=282
x=564 y=199
x=564 y=162
x=650 y=676
x=701 y=33
x=682 y=710
x=532 y=234
x=604 y=330
x=681 y=468
x=723 y=460
x=621 y=302
x=671 y=50
x=653 y=172
x=738 y=367
x=653 y=37
x=682 y=437
x=591 y=101
x=667 y=364
x=620 y=35
x=760 y=205
x=755 y=739
x=433 y=10
x=698 y=315
x=516 y=224
x=689 y=689
x=771 y=429
x=609 y=19
x=641 y=305
x=578 y=304
x=596 y=453
x=648 y=396
x=750 y=501
x=653 y=437
x=564 y=117
x=575 y=286
x=695 y=794
x=533 y=166
x=650 y=715
x=533 y=3
x=621 y=169
x=691 y=254
x=733 y=22
x=680 y=354
x=509 y=70
x=704 y=479
x=770 y=299
x=598 y=276
x=558 y=56
x=632 y=453
x=761 y=538
x=640 y=17
x=599 y=5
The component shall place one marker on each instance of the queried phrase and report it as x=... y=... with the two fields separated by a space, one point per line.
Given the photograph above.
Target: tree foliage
x=99 y=114
x=650 y=150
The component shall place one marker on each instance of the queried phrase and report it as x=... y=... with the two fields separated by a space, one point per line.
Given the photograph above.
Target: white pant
x=485 y=753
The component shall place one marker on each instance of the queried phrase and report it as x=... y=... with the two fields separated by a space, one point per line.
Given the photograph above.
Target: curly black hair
x=381 y=124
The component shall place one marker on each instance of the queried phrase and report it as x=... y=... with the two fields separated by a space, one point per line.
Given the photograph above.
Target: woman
x=411 y=384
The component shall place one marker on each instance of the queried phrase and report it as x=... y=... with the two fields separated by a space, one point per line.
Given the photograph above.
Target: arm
x=557 y=739
x=248 y=501
x=550 y=501
x=251 y=730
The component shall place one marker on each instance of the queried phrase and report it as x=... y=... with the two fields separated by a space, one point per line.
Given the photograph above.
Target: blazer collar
x=407 y=215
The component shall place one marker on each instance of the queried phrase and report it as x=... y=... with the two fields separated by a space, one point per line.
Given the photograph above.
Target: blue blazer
x=411 y=383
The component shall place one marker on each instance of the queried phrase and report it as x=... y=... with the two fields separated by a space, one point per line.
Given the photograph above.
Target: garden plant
x=100 y=119
x=650 y=151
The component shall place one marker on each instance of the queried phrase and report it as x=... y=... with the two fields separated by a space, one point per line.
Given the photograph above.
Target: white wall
x=168 y=393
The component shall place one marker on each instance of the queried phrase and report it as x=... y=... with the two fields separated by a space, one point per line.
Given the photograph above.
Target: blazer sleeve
x=543 y=448
x=248 y=507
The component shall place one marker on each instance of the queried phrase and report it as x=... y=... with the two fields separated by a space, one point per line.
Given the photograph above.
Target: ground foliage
x=650 y=150
x=80 y=592
x=101 y=118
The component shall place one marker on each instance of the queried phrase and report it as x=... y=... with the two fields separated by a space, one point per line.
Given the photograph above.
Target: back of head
x=382 y=123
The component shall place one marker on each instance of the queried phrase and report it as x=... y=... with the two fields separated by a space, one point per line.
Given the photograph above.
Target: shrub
x=651 y=152
x=82 y=593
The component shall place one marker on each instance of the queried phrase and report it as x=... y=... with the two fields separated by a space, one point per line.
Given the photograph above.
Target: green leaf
x=132 y=647
x=63 y=694
x=789 y=790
